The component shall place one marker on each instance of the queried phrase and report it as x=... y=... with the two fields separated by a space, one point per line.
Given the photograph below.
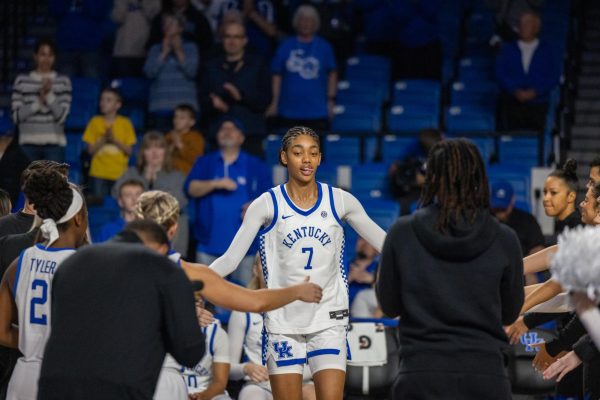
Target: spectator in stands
x=5 y=203
x=109 y=138
x=560 y=197
x=155 y=172
x=172 y=67
x=13 y=159
x=527 y=70
x=134 y=18
x=523 y=223
x=419 y=55
x=129 y=191
x=40 y=104
x=237 y=83
x=508 y=15
x=223 y=183
x=304 y=68
x=79 y=35
x=22 y=220
x=431 y=276
x=365 y=305
x=185 y=143
x=261 y=25
x=196 y=28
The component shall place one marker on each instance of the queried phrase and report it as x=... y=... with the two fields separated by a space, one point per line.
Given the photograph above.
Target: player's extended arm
x=350 y=209
x=539 y=261
x=233 y=297
x=258 y=213
x=543 y=293
x=9 y=335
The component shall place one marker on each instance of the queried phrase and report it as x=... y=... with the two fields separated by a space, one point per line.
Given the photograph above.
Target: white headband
x=49 y=229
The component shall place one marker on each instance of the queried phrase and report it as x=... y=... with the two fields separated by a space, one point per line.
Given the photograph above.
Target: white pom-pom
x=576 y=265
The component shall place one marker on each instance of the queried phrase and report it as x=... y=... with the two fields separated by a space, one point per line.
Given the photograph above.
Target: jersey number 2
x=41 y=300
x=308 y=250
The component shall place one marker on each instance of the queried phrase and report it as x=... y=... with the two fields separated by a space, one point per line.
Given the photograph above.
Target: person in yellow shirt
x=185 y=144
x=109 y=138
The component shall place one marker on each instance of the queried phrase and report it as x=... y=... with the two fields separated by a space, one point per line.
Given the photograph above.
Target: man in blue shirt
x=222 y=184
x=526 y=70
x=304 y=75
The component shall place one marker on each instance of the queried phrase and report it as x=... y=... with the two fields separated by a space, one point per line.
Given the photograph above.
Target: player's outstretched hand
x=562 y=366
x=309 y=292
x=516 y=330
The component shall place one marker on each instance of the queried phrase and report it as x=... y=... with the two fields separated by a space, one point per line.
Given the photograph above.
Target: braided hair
x=292 y=134
x=568 y=173
x=49 y=192
x=456 y=179
x=158 y=206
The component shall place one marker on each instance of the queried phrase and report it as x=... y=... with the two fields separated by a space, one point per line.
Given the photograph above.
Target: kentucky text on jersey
x=43 y=266
x=306 y=231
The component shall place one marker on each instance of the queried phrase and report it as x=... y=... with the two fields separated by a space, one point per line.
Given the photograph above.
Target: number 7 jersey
x=32 y=291
x=299 y=243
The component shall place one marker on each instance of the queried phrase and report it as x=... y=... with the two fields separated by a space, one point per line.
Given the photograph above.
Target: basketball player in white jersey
x=300 y=234
x=163 y=208
x=208 y=379
x=27 y=284
x=245 y=337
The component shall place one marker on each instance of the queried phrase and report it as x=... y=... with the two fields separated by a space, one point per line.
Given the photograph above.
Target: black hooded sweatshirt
x=454 y=291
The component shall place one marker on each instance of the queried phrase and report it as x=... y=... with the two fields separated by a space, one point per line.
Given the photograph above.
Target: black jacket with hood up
x=454 y=291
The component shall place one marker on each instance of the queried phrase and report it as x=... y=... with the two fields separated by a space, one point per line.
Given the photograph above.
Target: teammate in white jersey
x=301 y=234
x=245 y=337
x=27 y=284
x=208 y=379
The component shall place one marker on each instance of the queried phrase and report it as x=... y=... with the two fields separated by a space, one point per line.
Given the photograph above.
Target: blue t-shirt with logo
x=304 y=69
x=219 y=213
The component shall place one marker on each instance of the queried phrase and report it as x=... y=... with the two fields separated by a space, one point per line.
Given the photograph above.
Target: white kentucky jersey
x=253 y=337
x=32 y=290
x=299 y=243
x=175 y=257
x=217 y=351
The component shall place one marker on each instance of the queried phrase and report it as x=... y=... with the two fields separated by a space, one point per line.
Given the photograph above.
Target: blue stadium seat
x=383 y=211
x=80 y=114
x=395 y=147
x=327 y=173
x=349 y=150
x=519 y=150
x=6 y=123
x=370 y=181
x=479 y=93
x=86 y=89
x=519 y=177
x=137 y=115
x=73 y=149
x=368 y=67
x=342 y=150
x=472 y=69
x=133 y=90
x=486 y=145
x=272 y=145
x=356 y=119
x=470 y=120
x=413 y=118
x=417 y=91
x=361 y=92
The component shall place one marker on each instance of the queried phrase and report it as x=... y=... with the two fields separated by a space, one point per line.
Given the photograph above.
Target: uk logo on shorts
x=530 y=339
x=283 y=350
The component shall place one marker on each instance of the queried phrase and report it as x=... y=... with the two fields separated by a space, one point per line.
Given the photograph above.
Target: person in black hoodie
x=455 y=276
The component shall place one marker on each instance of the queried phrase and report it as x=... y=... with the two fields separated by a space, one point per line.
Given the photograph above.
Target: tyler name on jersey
x=43 y=266
x=306 y=231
